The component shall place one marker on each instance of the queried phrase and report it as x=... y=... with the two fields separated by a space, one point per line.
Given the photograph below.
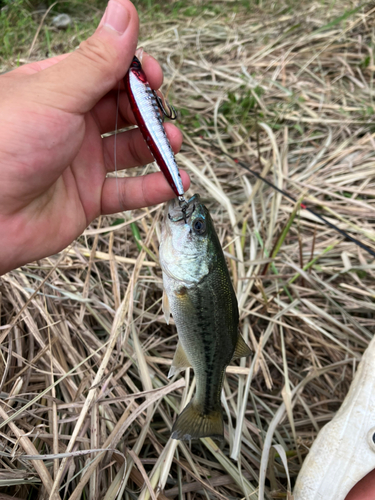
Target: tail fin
x=192 y=423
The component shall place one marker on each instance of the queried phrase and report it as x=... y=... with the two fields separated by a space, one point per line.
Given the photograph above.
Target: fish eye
x=199 y=226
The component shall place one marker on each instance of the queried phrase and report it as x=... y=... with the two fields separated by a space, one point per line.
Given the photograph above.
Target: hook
x=170 y=112
x=184 y=206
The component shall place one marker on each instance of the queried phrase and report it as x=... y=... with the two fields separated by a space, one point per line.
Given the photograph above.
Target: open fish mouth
x=177 y=212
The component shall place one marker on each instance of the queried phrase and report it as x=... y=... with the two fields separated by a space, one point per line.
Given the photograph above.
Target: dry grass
x=86 y=405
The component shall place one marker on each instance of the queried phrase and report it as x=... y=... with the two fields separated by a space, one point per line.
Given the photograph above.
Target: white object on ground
x=344 y=451
x=62 y=21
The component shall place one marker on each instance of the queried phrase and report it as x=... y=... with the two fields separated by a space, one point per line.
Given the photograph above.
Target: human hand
x=53 y=161
x=364 y=489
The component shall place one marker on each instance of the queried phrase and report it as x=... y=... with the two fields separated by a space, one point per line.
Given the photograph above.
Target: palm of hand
x=52 y=186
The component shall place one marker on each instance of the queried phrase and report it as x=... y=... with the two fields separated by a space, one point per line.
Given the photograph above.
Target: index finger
x=35 y=67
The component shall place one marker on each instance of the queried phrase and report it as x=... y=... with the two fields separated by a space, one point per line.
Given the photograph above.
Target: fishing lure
x=148 y=109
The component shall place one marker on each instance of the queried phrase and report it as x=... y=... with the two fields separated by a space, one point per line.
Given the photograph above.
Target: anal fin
x=242 y=349
x=180 y=361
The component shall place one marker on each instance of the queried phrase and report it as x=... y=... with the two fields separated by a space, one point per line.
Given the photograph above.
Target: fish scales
x=203 y=314
x=204 y=307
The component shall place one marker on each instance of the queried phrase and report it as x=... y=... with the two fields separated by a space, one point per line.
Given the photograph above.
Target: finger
x=90 y=72
x=132 y=150
x=35 y=67
x=118 y=103
x=105 y=111
x=153 y=71
x=364 y=489
x=136 y=192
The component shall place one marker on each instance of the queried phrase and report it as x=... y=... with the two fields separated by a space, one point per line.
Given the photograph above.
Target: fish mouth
x=177 y=212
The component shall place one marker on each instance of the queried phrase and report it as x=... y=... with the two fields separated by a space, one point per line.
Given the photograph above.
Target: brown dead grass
x=86 y=407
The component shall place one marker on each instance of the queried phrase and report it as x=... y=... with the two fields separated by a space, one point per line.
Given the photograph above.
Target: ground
x=287 y=89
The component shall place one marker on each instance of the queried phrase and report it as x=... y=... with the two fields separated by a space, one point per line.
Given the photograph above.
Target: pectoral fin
x=242 y=349
x=165 y=307
x=180 y=361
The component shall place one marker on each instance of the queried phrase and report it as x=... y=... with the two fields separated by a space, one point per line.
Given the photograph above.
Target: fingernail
x=116 y=17
x=139 y=53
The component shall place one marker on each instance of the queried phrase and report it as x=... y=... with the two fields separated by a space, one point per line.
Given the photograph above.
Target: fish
x=199 y=293
x=344 y=451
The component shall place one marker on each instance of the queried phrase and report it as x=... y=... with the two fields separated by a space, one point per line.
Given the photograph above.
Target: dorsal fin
x=242 y=349
x=180 y=361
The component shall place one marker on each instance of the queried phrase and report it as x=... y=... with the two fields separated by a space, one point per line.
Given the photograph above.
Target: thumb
x=88 y=73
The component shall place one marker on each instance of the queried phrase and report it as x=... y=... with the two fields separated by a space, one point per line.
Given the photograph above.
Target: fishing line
x=115 y=144
x=303 y=205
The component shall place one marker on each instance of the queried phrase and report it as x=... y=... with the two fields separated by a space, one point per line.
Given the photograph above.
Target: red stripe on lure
x=147 y=108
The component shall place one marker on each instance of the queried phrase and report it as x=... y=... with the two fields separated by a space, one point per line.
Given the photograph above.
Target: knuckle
x=97 y=51
x=135 y=194
x=123 y=193
x=146 y=202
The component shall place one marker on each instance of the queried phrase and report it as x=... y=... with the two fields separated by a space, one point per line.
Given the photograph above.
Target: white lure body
x=344 y=451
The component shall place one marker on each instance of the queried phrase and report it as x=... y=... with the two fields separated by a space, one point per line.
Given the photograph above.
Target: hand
x=364 y=489
x=53 y=161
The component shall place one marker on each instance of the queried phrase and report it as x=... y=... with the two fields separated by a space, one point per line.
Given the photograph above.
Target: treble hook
x=170 y=112
x=184 y=206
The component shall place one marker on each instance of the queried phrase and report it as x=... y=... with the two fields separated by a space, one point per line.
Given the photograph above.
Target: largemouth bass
x=199 y=294
x=344 y=451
